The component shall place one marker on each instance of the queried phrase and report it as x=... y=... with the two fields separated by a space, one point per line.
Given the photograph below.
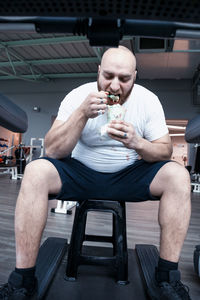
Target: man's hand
x=124 y=132
x=94 y=105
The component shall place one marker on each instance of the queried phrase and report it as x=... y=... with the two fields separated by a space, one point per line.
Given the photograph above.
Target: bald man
x=132 y=163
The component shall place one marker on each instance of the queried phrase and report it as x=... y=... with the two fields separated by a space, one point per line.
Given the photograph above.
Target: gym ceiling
x=45 y=40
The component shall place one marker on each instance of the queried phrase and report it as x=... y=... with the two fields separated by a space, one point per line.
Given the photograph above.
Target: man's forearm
x=154 y=151
x=61 y=140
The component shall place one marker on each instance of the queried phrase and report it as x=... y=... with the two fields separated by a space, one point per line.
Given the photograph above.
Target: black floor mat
x=97 y=282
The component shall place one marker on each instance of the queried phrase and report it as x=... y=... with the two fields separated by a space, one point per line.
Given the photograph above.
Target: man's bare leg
x=40 y=179
x=172 y=183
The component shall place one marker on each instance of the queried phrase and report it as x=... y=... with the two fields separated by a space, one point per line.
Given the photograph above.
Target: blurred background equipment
x=13 y=118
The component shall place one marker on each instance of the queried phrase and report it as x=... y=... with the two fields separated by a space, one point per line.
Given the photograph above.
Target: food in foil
x=114 y=112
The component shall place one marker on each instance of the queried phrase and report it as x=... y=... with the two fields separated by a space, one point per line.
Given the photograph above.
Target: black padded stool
x=119 y=260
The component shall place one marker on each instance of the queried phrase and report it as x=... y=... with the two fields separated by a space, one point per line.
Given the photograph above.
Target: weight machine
x=192 y=135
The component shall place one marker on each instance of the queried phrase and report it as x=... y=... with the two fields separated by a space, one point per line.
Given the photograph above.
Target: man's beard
x=123 y=98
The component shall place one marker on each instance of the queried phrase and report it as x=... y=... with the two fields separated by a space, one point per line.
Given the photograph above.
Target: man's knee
x=179 y=185
x=172 y=177
x=177 y=176
x=41 y=173
x=36 y=168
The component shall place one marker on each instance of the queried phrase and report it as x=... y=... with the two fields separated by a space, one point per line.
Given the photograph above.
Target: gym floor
x=142 y=228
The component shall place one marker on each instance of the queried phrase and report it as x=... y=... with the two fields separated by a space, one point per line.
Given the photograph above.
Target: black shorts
x=129 y=184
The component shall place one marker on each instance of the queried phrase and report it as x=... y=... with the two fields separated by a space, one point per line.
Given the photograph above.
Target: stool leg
x=84 y=227
x=114 y=238
x=77 y=239
x=121 y=246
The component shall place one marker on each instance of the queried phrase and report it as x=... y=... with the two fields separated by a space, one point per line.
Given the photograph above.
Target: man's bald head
x=120 y=51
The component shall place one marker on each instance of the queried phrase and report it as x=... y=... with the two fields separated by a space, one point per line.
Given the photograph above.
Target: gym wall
x=175 y=96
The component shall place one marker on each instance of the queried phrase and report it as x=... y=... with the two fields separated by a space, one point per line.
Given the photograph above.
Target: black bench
x=50 y=263
x=119 y=260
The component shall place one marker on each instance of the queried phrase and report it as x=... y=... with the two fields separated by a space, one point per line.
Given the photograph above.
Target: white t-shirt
x=143 y=110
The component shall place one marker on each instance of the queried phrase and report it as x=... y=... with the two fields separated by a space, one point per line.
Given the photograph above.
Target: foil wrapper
x=114 y=112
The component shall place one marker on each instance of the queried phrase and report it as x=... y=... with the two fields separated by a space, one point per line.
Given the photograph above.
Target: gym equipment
x=36 y=143
x=12 y=116
x=192 y=135
x=196 y=260
x=75 y=261
x=12 y=170
x=15 y=119
x=104 y=25
x=118 y=239
x=20 y=160
x=64 y=207
x=6 y=165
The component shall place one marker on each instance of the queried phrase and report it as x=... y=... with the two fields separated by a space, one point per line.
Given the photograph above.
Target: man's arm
x=160 y=149
x=64 y=135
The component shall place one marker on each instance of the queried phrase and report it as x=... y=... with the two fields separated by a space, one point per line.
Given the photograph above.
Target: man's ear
x=99 y=68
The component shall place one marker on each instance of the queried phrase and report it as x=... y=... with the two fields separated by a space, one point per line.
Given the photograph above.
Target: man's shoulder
x=79 y=93
x=145 y=96
x=89 y=86
x=141 y=90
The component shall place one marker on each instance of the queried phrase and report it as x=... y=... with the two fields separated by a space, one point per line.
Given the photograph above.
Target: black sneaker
x=13 y=290
x=172 y=290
